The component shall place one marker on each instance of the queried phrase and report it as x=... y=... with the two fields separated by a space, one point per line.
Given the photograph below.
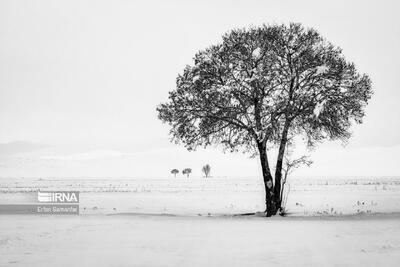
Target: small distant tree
x=175 y=172
x=187 y=171
x=206 y=170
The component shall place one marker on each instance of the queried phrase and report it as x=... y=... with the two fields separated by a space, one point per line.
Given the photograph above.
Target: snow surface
x=140 y=240
x=196 y=78
x=256 y=53
x=193 y=222
x=192 y=196
x=319 y=108
x=321 y=69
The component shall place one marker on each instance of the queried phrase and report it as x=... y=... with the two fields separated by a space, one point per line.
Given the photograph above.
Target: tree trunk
x=271 y=208
x=279 y=163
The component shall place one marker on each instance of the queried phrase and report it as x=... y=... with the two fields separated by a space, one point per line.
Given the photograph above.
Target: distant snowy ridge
x=90 y=155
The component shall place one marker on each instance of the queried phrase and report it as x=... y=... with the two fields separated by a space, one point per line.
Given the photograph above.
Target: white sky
x=88 y=75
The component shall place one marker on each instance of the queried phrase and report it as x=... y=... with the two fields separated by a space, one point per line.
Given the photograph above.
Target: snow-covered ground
x=98 y=240
x=192 y=196
x=157 y=222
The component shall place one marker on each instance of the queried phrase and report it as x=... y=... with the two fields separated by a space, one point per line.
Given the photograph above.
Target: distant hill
x=17 y=147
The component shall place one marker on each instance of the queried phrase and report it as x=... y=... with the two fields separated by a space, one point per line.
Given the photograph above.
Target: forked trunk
x=270 y=203
x=278 y=170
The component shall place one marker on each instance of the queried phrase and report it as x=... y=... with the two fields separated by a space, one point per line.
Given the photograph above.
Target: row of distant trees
x=206 y=169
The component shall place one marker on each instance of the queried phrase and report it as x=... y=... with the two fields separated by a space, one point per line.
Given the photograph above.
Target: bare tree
x=175 y=172
x=288 y=167
x=187 y=171
x=206 y=170
x=260 y=87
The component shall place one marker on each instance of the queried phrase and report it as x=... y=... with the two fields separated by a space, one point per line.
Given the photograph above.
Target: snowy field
x=193 y=196
x=190 y=222
x=95 y=240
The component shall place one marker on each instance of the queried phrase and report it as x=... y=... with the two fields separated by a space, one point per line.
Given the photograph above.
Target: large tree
x=259 y=88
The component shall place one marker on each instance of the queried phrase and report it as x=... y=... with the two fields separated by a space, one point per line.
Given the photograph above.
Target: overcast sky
x=88 y=75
